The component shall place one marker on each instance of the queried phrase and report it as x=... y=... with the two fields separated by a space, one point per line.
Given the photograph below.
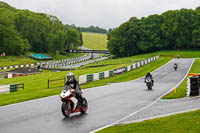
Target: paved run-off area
x=165 y=108
x=107 y=104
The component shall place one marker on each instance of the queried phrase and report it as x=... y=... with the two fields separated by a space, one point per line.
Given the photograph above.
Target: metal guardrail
x=88 y=51
x=15 y=87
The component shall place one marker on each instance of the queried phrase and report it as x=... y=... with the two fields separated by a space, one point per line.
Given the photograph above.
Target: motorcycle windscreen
x=67 y=87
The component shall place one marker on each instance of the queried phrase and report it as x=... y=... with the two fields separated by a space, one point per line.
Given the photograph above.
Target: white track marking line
x=159 y=116
x=118 y=122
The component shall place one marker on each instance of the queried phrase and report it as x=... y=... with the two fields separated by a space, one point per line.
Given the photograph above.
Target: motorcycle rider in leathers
x=73 y=83
x=149 y=75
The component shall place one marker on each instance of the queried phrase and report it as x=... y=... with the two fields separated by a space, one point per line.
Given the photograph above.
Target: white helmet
x=70 y=76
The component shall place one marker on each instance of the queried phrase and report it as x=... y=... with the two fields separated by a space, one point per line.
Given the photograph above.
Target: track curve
x=107 y=104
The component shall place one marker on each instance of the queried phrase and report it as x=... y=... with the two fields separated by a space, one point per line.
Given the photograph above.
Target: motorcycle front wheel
x=84 y=106
x=66 y=109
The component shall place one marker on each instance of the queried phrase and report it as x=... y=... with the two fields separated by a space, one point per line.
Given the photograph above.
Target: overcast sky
x=102 y=13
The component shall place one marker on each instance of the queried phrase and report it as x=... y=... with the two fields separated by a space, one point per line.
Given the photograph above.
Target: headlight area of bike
x=64 y=97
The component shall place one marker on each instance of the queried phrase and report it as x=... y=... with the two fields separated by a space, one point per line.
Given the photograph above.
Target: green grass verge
x=180 y=123
x=36 y=85
x=183 y=54
x=181 y=90
x=20 y=60
x=95 y=41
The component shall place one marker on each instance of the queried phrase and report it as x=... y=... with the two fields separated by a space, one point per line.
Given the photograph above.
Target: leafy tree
x=150 y=38
x=24 y=30
x=93 y=29
x=174 y=29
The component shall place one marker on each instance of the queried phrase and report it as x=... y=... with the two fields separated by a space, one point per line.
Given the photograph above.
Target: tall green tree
x=174 y=29
x=24 y=30
x=150 y=38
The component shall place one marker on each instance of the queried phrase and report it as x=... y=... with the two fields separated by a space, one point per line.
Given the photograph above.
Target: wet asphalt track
x=107 y=104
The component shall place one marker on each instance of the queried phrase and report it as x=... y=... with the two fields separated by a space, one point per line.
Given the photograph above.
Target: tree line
x=174 y=29
x=94 y=29
x=24 y=30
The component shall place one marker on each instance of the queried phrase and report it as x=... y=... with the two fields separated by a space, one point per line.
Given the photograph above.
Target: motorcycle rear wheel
x=66 y=109
x=150 y=87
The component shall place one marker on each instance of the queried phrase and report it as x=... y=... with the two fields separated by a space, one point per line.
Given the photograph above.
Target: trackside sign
x=119 y=70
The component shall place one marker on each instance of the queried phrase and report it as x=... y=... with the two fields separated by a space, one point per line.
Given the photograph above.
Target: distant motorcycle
x=70 y=104
x=149 y=83
x=175 y=66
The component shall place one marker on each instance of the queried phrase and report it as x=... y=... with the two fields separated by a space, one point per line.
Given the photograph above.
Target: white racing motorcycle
x=70 y=104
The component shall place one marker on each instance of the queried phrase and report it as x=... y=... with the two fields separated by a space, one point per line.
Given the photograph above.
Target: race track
x=107 y=104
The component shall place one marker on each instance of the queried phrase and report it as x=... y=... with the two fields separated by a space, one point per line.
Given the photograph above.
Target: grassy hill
x=95 y=41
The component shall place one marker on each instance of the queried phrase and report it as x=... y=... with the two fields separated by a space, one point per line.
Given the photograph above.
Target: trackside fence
x=53 y=64
x=55 y=82
x=98 y=76
x=11 y=88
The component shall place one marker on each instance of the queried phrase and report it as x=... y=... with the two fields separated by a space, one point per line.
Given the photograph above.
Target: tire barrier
x=193 y=86
x=97 y=76
x=11 y=88
x=69 y=62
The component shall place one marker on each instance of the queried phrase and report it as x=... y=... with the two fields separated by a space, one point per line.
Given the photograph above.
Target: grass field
x=181 y=90
x=95 y=41
x=180 y=123
x=36 y=85
x=20 y=60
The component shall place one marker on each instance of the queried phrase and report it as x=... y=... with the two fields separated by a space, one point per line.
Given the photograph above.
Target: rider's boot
x=80 y=101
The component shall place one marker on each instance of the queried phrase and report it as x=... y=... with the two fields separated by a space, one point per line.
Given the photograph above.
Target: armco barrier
x=128 y=68
x=4 y=89
x=101 y=75
x=111 y=73
x=134 y=66
x=13 y=87
x=10 y=88
x=131 y=67
x=42 y=63
x=106 y=74
x=138 y=64
x=89 y=77
x=82 y=79
x=97 y=76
